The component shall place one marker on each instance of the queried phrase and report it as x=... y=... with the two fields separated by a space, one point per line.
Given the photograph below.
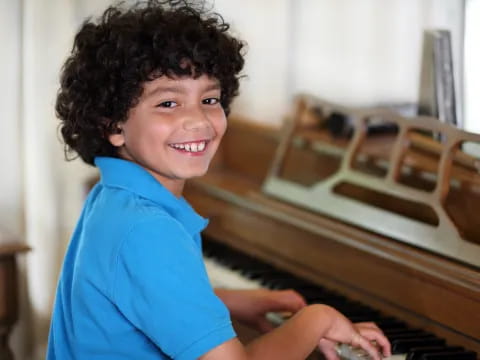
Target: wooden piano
x=378 y=208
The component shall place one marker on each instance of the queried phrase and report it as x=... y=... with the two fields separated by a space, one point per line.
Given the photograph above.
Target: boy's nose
x=196 y=119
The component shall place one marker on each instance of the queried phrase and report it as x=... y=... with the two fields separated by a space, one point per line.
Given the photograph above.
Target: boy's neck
x=176 y=188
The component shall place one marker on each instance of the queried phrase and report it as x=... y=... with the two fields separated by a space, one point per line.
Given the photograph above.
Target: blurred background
x=352 y=52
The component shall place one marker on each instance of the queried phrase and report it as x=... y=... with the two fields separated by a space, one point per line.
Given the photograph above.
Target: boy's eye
x=167 y=104
x=211 y=101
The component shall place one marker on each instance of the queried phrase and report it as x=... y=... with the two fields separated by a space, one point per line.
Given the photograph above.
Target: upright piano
x=364 y=209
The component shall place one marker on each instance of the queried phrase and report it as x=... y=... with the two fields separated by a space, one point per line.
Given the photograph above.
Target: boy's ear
x=117 y=139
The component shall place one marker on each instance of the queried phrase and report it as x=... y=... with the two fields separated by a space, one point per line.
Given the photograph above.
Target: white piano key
x=222 y=276
x=346 y=352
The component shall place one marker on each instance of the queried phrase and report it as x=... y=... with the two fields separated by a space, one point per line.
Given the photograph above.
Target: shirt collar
x=134 y=178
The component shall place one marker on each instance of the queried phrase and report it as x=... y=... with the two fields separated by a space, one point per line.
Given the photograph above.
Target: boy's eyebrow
x=179 y=89
x=160 y=89
x=213 y=86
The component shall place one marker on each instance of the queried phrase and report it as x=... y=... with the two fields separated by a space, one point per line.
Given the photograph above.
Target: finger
x=292 y=296
x=376 y=335
x=327 y=347
x=361 y=342
x=367 y=324
x=264 y=325
x=287 y=300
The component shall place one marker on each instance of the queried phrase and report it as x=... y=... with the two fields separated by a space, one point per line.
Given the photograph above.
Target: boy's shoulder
x=124 y=204
x=114 y=216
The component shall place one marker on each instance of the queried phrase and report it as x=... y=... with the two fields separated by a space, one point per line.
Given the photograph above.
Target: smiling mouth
x=191 y=147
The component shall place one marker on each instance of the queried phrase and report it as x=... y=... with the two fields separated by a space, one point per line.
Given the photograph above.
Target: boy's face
x=174 y=130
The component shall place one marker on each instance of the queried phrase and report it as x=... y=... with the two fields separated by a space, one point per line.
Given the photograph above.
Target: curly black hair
x=112 y=58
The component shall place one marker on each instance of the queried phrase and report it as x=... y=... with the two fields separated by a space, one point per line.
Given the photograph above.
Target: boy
x=144 y=97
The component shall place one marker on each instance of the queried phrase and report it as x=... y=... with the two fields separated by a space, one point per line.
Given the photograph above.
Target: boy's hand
x=250 y=306
x=367 y=330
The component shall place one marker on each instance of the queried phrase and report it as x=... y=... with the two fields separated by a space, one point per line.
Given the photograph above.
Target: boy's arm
x=299 y=336
x=251 y=306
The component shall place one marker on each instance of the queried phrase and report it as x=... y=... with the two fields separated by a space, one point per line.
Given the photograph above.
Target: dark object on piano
x=8 y=291
x=412 y=286
x=341 y=125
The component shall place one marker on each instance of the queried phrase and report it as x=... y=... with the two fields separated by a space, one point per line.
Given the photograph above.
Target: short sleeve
x=162 y=288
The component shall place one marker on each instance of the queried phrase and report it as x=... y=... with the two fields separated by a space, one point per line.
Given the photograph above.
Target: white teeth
x=192 y=147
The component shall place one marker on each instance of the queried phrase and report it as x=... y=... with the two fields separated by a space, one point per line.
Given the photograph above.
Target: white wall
x=266 y=27
x=11 y=179
x=40 y=195
x=367 y=51
x=10 y=148
x=472 y=68
x=355 y=52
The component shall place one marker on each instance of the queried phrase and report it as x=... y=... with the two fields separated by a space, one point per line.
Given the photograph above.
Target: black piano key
x=357 y=318
x=417 y=353
x=255 y=267
x=211 y=252
x=359 y=309
x=354 y=311
x=227 y=259
x=359 y=313
x=463 y=355
x=310 y=292
x=409 y=335
x=226 y=256
x=345 y=306
x=386 y=323
x=403 y=346
x=406 y=333
x=255 y=274
x=238 y=262
x=379 y=319
x=278 y=275
x=332 y=299
x=258 y=266
x=278 y=281
x=400 y=331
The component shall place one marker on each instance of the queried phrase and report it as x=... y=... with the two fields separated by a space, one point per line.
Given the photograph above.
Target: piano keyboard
x=230 y=269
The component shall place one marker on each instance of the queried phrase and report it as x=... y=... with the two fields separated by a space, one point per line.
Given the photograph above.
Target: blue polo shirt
x=133 y=283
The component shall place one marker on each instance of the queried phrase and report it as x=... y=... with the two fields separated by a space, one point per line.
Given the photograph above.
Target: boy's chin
x=197 y=174
x=194 y=174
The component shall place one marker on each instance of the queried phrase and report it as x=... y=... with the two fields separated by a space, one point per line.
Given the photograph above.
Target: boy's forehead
x=179 y=83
